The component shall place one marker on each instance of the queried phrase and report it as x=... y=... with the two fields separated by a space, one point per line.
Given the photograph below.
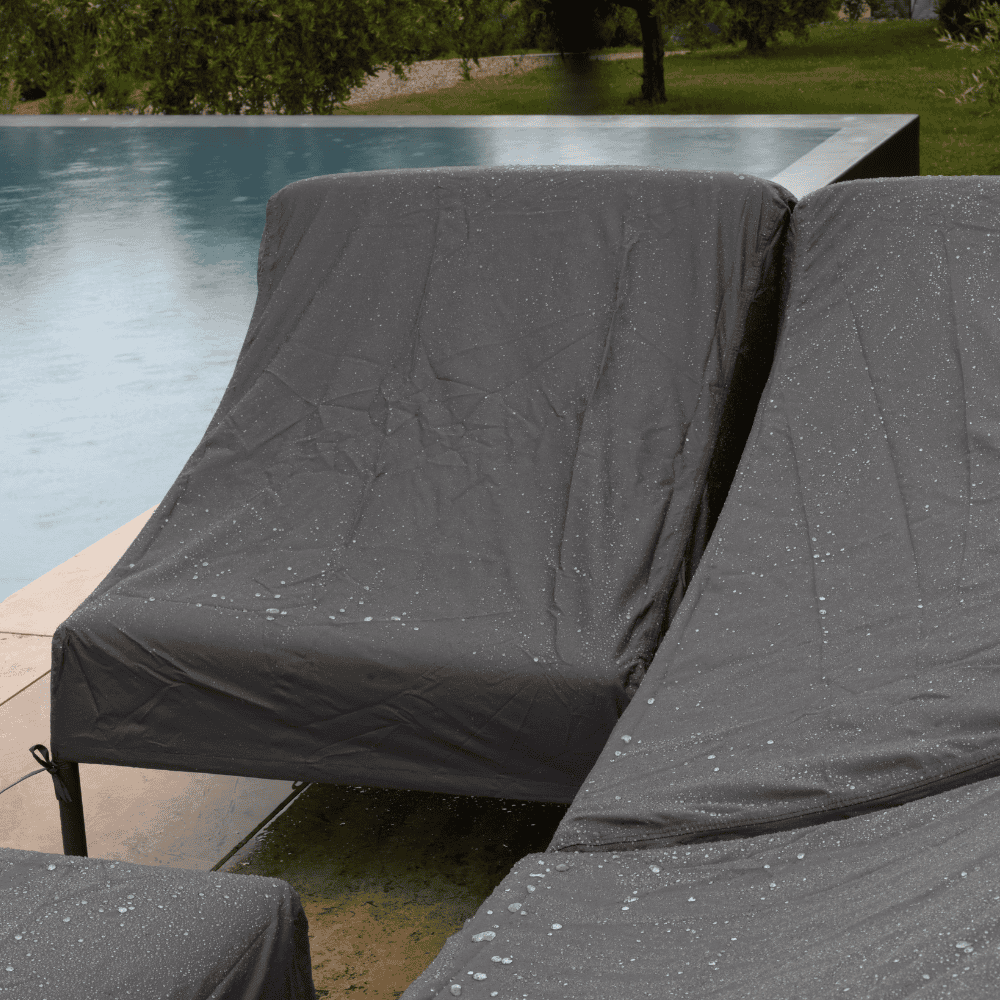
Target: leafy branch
x=987 y=18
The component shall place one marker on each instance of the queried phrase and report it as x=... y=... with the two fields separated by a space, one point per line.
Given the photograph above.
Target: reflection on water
x=128 y=262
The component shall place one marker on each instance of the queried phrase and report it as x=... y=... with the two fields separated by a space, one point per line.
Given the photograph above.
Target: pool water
x=128 y=261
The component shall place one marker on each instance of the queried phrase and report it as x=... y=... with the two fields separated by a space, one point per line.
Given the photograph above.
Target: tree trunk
x=756 y=44
x=578 y=95
x=574 y=24
x=653 y=87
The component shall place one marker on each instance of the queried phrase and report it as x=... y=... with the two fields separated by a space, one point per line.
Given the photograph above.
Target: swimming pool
x=128 y=254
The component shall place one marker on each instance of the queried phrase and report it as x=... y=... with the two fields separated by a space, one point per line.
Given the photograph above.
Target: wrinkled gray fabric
x=837 y=649
x=898 y=904
x=468 y=460
x=92 y=929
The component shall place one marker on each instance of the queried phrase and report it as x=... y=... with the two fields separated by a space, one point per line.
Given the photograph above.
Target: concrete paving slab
x=172 y=818
x=42 y=606
x=23 y=659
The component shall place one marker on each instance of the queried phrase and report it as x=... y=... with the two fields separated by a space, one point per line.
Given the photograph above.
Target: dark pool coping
x=863 y=145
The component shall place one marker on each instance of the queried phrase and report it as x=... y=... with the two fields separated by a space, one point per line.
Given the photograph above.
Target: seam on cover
x=239 y=975
x=362 y=502
x=623 y=255
x=914 y=793
x=957 y=345
x=805 y=521
x=889 y=448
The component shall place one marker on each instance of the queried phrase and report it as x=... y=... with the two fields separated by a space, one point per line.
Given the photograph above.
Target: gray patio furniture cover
x=471 y=452
x=801 y=800
x=901 y=903
x=836 y=651
x=92 y=929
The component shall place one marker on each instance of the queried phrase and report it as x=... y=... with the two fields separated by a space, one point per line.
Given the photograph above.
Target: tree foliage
x=217 y=55
x=758 y=22
x=576 y=25
x=41 y=57
x=305 y=56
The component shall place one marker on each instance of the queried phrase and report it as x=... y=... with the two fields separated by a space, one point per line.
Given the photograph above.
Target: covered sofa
x=803 y=798
x=474 y=445
x=470 y=455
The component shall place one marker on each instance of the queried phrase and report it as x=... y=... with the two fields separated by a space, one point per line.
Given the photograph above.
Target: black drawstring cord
x=62 y=792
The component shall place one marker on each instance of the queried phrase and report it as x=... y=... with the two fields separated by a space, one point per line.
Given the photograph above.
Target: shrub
x=619 y=28
x=959 y=16
x=216 y=55
x=45 y=57
x=984 y=21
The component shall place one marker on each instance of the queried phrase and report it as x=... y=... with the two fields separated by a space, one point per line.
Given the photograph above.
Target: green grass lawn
x=892 y=67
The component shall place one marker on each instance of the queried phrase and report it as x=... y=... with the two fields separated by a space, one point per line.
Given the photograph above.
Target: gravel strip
x=439 y=73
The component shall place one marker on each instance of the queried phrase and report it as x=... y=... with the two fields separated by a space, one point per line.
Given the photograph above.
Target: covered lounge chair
x=474 y=445
x=464 y=468
x=803 y=798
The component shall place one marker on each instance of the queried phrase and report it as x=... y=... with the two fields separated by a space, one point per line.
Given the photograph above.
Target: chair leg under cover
x=74 y=832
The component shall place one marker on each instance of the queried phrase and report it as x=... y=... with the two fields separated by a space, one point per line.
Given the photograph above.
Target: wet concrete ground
x=386 y=876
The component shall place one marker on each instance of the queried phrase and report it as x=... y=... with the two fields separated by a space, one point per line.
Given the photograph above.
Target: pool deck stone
x=145 y=816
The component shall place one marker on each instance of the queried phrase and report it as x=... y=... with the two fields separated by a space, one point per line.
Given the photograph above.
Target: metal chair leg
x=74 y=832
x=66 y=780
